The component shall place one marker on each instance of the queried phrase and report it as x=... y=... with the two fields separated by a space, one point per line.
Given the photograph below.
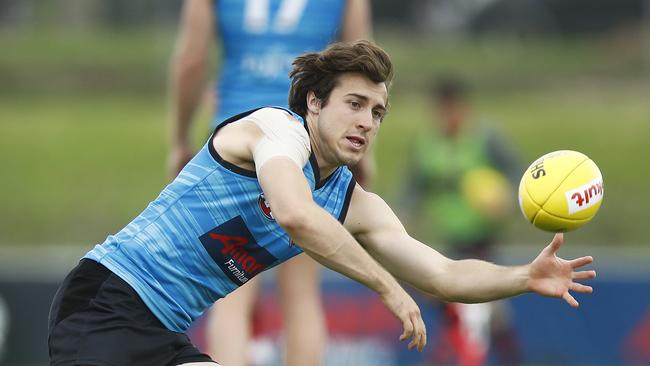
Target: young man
x=268 y=185
x=258 y=40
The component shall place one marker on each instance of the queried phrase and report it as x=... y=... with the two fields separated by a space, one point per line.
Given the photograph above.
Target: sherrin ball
x=561 y=191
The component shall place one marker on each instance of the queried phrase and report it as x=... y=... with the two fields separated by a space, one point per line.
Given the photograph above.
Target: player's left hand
x=550 y=275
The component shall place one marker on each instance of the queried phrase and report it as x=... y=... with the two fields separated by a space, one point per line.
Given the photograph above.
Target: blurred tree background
x=84 y=113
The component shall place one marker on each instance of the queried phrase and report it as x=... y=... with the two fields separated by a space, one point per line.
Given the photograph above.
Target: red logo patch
x=234 y=249
x=264 y=207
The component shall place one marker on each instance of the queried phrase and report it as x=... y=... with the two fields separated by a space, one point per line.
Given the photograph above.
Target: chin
x=350 y=162
x=350 y=158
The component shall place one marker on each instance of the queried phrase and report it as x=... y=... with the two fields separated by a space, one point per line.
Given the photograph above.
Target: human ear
x=313 y=103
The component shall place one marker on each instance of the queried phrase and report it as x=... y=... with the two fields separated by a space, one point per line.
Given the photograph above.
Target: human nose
x=366 y=122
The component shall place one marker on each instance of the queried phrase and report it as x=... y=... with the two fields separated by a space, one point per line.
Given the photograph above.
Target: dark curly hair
x=319 y=71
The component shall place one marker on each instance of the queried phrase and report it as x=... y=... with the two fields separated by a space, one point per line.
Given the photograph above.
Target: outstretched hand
x=553 y=276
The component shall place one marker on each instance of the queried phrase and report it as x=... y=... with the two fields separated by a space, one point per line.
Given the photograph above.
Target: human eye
x=378 y=115
x=355 y=105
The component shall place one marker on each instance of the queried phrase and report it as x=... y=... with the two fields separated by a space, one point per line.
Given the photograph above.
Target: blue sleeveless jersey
x=260 y=39
x=207 y=233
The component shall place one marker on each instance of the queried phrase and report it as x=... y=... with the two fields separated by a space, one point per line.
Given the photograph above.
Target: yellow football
x=561 y=191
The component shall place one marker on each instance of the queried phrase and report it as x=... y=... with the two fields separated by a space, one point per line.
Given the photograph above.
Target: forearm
x=472 y=281
x=325 y=240
x=357 y=23
x=187 y=87
x=424 y=268
x=188 y=65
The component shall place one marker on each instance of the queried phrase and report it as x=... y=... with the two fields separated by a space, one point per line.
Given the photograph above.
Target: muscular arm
x=377 y=228
x=314 y=229
x=326 y=240
x=187 y=75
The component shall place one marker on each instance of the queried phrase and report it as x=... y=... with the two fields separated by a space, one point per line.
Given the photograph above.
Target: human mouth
x=356 y=141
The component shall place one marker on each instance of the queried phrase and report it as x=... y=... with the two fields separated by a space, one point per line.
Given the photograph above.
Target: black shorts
x=98 y=319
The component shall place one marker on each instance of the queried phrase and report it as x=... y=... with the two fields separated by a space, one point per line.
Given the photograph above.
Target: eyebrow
x=366 y=99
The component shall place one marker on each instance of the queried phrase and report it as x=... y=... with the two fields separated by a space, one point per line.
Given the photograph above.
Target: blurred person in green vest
x=462 y=176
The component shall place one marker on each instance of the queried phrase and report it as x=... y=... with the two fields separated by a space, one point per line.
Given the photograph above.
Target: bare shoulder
x=361 y=198
x=235 y=141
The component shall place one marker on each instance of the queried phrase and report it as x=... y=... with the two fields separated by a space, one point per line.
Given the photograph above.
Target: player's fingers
x=414 y=342
x=579 y=262
x=419 y=332
x=578 y=287
x=423 y=338
x=583 y=275
x=416 y=332
x=408 y=330
x=557 y=241
x=419 y=340
x=569 y=299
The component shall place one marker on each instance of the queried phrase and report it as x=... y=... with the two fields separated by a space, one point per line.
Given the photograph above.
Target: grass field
x=83 y=123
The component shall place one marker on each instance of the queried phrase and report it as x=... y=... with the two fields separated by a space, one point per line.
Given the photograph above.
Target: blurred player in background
x=269 y=184
x=259 y=39
x=462 y=178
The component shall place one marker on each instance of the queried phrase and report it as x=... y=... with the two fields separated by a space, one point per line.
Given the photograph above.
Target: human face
x=347 y=125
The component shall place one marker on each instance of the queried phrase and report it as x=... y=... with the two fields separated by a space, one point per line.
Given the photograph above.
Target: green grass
x=509 y=63
x=78 y=165
x=83 y=124
x=71 y=60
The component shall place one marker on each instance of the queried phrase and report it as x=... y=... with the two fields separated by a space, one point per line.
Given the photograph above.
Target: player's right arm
x=326 y=240
x=317 y=232
x=187 y=76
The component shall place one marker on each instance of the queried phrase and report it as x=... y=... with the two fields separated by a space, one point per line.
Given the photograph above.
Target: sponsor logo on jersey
x=235 y=251
x=264 y=207
x=585 y=196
